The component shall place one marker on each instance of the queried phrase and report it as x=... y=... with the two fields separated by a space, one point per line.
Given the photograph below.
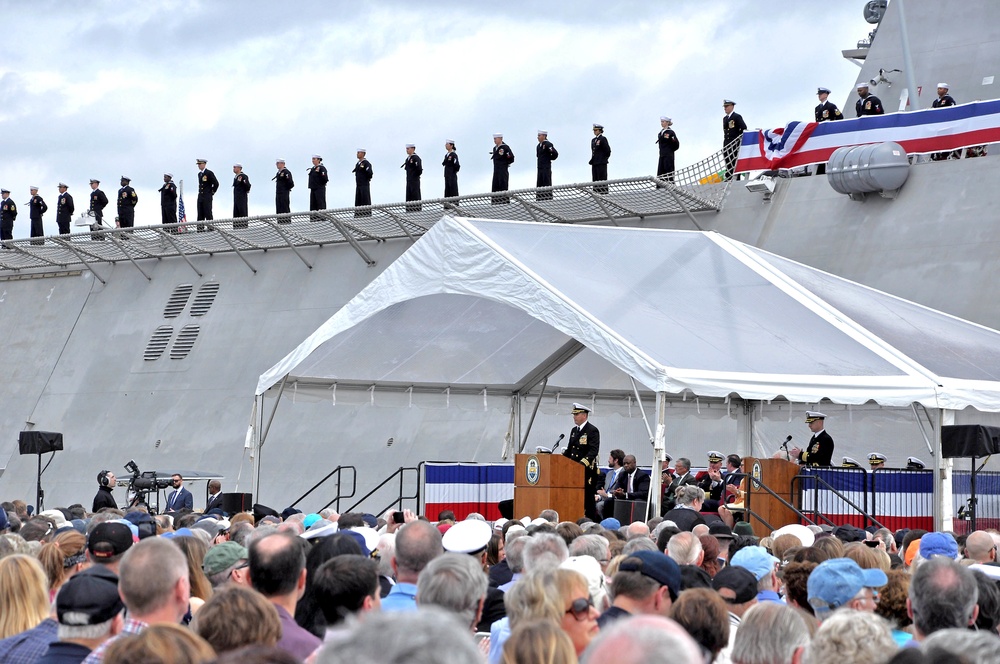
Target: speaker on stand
x=40 y=442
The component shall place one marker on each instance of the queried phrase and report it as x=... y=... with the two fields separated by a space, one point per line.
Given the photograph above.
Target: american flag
x=181 y=216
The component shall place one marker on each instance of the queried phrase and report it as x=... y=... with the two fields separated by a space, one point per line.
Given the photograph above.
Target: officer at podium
x=819 y=452
x=584 y=446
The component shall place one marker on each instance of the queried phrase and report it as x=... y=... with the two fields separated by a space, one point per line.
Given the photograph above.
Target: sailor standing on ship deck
x=208 y=184
x=8 y=213
x=545 y=154
x=867 y=104
x=64 y=209
x=502 y=157
x=362 y=183
x=168 y=200
x=283 y=184
x=127 y=198
x=241 y=195
x=318 y=178
x=414 y=169
x=98 y=201
x=668 y=143
x=36 y=208
x=451 y=169
x=732 y=129
x=600 y=153
x=826 y=111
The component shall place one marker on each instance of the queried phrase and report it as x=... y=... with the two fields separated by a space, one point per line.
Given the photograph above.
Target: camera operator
x=106 y=481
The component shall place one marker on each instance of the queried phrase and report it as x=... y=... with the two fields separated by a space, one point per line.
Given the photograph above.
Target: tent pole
x=262 y=437
x=659 y=453
x=531 y=420
x=944 y=510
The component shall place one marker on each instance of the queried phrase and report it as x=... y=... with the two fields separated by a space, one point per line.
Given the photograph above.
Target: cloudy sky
x=103 y=89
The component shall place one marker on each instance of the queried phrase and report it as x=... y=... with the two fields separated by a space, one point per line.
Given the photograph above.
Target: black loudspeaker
x=237 y=502
x=39 y=442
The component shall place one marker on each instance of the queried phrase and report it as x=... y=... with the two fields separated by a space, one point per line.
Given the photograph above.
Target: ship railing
x=697 y=188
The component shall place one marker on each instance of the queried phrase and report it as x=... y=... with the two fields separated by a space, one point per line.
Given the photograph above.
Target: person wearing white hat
x=668 y=144
x=414 y=169
x=451 y=169
x=318 y=178
x=943 y=98
x=913 y=463
x=208 y=184
x=168 y=200
x=241 y=194
x=819 y=452
x=8 y=213
x=826 y=110
x=600 y=154
x=98 y=201
x=502 y=157
x=876 y=460
x=64 y=209
x=362 y=183
x=733 y=127
x=36 y=208
x=545 y=154
x=283 y=184
x=867 y=103
x=584 y=446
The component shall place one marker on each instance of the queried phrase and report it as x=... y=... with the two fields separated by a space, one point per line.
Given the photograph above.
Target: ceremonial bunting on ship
x=930 y=130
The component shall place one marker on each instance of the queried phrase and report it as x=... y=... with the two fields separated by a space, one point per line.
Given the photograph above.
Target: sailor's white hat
x=467 y=536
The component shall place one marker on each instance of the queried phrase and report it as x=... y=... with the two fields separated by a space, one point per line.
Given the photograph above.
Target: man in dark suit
x=633 y=484
x=682 y=476
x=180 y=498
x=208 y=184
x=600 y=153
x=214 y=496
x=283 y=184
x=615 y=461
x=819 y=452
x=64 y=209
x=584 y=446
x=545 y=154
x=733 y=127
x=414 y=169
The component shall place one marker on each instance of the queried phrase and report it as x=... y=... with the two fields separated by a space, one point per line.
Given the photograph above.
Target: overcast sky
x=105 y=89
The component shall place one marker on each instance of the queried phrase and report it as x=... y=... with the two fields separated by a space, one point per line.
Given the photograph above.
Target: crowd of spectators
x=123 y=586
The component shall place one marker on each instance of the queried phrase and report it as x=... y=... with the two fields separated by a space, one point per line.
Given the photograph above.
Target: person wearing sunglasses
x=580 y=618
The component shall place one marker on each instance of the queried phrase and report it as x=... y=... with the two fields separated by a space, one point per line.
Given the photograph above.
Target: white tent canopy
x=489 y=304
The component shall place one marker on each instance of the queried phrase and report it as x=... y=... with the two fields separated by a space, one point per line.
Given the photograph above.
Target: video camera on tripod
x=140 y=484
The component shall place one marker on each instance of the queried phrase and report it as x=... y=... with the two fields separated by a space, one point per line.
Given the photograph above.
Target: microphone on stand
x=787 y=440
x=558 y=440
x=784 y=445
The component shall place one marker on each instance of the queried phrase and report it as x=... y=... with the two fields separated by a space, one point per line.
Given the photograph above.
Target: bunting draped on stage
x=931 y=130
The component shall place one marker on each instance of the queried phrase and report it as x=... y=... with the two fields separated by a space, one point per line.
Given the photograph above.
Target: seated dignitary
x=682 y=476
x=712 y=482
x=689 y=500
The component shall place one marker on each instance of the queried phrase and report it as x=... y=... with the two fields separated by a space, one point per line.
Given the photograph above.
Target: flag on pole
x=181 y=215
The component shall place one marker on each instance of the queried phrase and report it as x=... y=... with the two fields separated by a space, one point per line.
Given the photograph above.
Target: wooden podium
x=776 y=474
x=548 y=481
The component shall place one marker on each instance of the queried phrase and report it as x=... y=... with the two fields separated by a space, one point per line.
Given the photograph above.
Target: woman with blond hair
x=24 y=594
x=63 y=557
x=538 y=642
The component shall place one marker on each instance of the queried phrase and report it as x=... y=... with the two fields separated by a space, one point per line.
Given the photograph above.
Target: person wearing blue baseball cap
x=841 y=582
x=764 y=567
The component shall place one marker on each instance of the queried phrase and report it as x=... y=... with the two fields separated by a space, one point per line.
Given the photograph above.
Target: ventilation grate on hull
x=158 y=343
x=204 y=299
x=185 y=342
x=178 y=300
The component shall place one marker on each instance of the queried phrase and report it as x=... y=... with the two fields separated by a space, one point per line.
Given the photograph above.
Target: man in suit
x=682 y=476
x=64 y=209
x=214 y=496
x=733 y=127
x=633 y=484
x=615 y=460
x=545 y=153
x=283 y=184
x=584 y=446
x=208 y=184
x=819 y=452
x=600 y=153
x=180 y=498
x=362 y=183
